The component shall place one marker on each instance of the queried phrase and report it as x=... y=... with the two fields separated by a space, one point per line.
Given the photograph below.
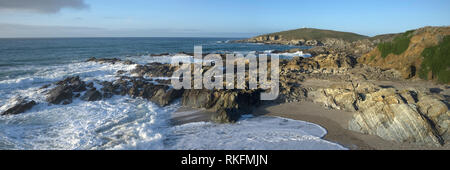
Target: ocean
x=122 y=122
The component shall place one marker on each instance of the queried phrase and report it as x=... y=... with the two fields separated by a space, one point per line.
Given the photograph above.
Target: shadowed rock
x=228 y=105
x=60 y=94
x=18 y=105
x=92 y=95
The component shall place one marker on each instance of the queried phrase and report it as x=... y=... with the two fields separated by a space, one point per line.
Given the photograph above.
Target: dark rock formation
x=19 y=105
x=154 y=70
x=109 y=60
x=62 y=93
x=161 y=54
x=92 y=95
x=74 y=83
x=228 y=105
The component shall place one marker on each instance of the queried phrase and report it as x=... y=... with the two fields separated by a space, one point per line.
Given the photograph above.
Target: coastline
x=334 y=121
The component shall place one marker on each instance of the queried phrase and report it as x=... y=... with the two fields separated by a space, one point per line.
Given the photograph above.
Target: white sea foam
x=28 y=85
x=116 y=123
x=294 y=54
x=255 y=133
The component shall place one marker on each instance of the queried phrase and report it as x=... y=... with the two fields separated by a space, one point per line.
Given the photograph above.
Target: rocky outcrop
x=154 y=70
x=60 y=94
x=63 y=92
x=17 y=105
x=92 y=95
x=109 y=60
x=404 y=52
x=319 y=62
x=349 y=43
x=228 y=105
x=402 y=116
x=387 y=114
x=437 y=111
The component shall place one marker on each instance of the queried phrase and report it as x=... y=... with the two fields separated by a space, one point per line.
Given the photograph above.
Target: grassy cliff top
x=317 y=34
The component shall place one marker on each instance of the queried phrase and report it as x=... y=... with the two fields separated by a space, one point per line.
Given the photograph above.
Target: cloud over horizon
x=42 y=6
x=8 y=30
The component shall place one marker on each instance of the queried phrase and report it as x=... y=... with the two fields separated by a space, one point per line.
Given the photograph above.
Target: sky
x=213 y=18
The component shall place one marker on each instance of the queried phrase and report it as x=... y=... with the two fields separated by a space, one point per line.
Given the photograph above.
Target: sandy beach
x=334 y=121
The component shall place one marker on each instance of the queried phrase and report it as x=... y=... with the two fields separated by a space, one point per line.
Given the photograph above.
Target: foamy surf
x=252 y=133
x=122 y=122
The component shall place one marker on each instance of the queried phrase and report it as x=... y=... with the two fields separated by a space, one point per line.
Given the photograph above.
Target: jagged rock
x=341 y=99
x=60 y=94
x=154 y=70
x=92 y=95
x=74 y=82
x=228 y=105
x=109 y=88
x=165 y=97
x=17 y=105
x=104 y=60
x=342 y=96
x=331 y=63
x=335 y=60
x=198 y=98
x=63 y=92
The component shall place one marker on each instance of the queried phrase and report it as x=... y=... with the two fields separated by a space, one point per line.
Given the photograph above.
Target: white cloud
x=42 y=6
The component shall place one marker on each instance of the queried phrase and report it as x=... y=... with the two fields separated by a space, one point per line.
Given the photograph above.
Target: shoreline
x=334 y=121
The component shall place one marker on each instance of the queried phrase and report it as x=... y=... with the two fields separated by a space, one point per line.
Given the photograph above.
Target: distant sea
x=123 y=122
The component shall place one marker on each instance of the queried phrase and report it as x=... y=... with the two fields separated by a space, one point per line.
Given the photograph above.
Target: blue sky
x=213 y=18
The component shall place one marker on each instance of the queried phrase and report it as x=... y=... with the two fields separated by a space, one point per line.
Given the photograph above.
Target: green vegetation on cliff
x=317 y=34
x=437 y=60
x=399 y=45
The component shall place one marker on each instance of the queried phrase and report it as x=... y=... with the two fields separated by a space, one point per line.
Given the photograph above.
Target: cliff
x=423 y=53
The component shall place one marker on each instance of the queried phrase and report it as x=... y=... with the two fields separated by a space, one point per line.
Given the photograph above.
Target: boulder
x=198 y=98
x=165 y=97
x=63 y=92
x=60 y=94
x=17 y=105
x=92 y=95
x=228 y=105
